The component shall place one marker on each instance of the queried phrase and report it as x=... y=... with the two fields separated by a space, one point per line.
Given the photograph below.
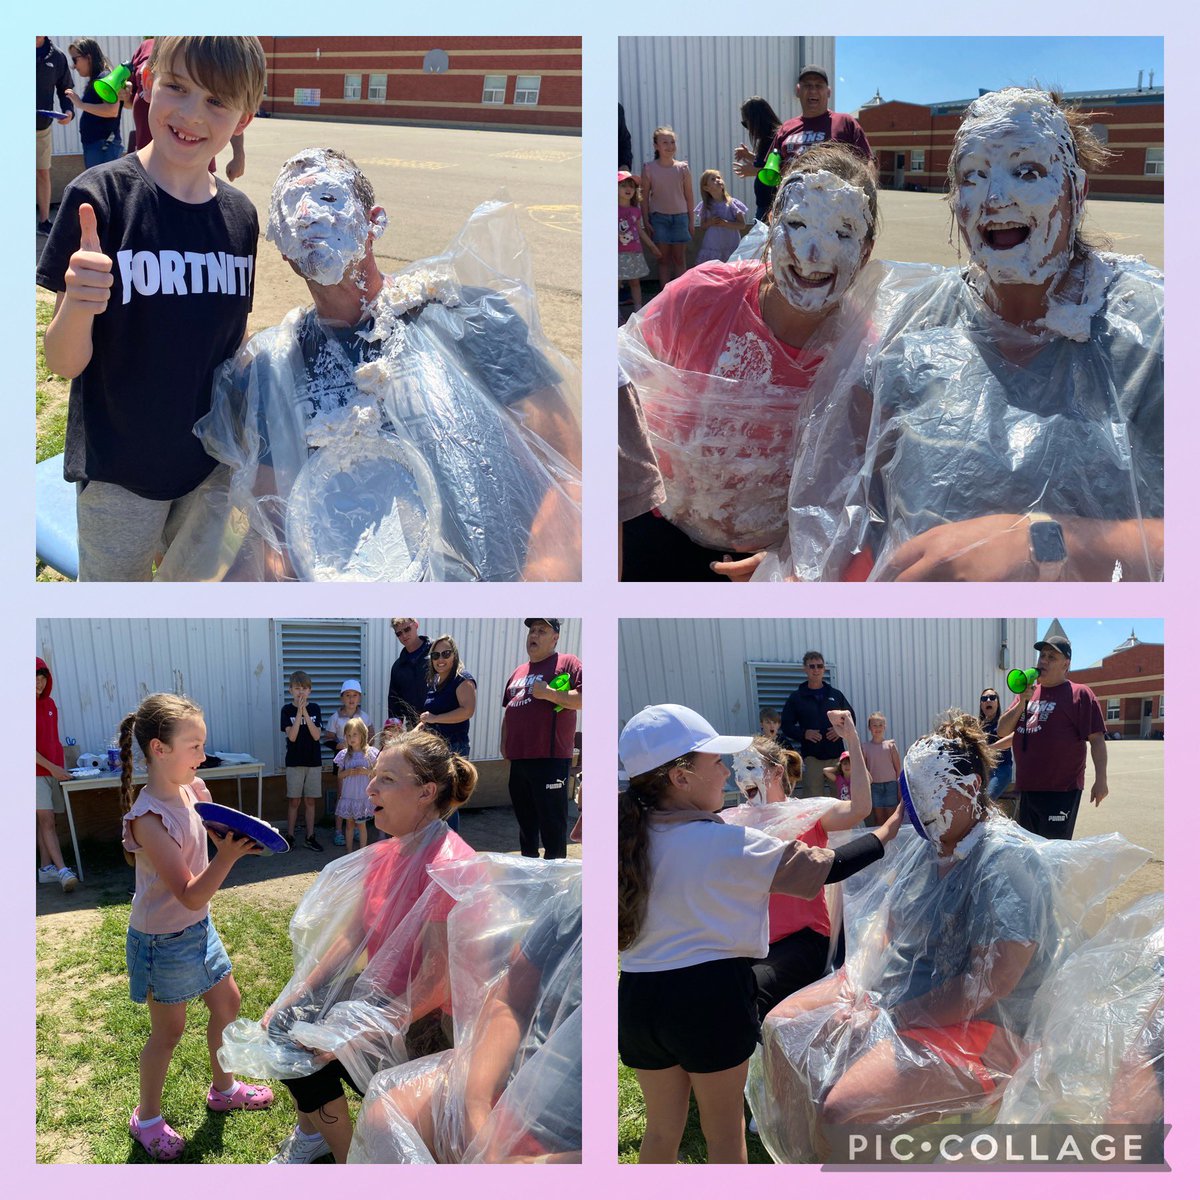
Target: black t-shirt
x=305 y=751
x=183 y=286
x=91 y=127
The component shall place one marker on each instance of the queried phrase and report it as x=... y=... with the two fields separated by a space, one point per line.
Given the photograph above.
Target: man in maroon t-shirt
x=538 y=741
x=1053 y=724
x=815 y=124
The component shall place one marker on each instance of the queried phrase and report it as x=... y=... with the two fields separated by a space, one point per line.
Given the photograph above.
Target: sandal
x=245 y=1095
x=339 y=839
x=159 y=1140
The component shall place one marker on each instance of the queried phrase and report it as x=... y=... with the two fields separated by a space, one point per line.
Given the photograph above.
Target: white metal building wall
x=103 y=668
x=909 y=669
x=64 y=139
x=697 y=85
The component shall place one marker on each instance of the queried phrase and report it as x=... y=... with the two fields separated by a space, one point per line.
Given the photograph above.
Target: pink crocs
x=245 y=1095
x=159 y=1140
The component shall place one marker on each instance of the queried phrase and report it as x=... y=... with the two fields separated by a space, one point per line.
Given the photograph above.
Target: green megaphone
x=560 y=683
x=1021 y=681
x=107 y=86
x=769 y=175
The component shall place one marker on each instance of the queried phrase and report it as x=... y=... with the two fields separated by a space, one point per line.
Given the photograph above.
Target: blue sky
x=924 y=70
x=1092 y=639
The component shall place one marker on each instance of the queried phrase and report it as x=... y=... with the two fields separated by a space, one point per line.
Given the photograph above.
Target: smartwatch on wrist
x=1047 y=546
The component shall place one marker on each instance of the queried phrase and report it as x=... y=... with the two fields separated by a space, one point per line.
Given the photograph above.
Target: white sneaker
x=68 y=879
x=47 y=874
x=299 y=1149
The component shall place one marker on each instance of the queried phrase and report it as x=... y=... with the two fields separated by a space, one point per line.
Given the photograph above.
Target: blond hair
x=234 y=69
x=783 y=757
x=357 y=726
x=433 y=761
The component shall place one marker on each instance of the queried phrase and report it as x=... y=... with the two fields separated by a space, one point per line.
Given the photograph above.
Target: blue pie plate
x=220 y=819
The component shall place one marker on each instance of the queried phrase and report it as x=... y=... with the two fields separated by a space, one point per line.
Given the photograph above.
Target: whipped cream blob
x=1018 y=186
x=816 y=241
x=931 y=770
x=316 y=220
x=750 y=775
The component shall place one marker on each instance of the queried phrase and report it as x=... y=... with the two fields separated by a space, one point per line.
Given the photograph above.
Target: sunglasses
x=441 y=654
x=814 y=666
x=400 y=630
x=989 y=699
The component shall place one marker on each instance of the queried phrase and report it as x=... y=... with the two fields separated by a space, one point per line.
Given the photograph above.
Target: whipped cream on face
x=315 y=218
x=929 y=768
x=750 y=775
x=816 y=240
x=1018 y=186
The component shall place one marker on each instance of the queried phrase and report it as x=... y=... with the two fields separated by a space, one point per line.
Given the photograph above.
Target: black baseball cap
x=555 y=623
x=813 y=69
x=1056 y=642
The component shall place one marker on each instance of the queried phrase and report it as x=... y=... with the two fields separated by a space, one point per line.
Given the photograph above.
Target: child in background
x=172 y=951
x=839 y=776
x=692 y=916
x=632 y=235
x=300 y=722
x=884 y=764
x=152 y=261
x=354 y=762
x=769 y=721
x=351 y=691
x=667 y=188
x=721 y=217
x=48 y=753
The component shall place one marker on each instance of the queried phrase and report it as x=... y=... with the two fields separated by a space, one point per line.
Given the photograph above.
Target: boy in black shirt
x=152 y=260
x=300 y=721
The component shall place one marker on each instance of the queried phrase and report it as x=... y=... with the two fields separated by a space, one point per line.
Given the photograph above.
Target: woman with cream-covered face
x=724 y=360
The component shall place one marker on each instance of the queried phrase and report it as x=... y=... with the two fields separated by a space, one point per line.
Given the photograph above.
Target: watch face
x=1046 y=538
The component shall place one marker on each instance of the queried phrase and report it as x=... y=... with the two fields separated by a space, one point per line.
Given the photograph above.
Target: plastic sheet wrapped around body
x=930 y=1014
x=430 y=441
x=787 y=820
x=723 y=398
x=506 y=1090
x=969 y=419
x=1098 y=1031
x=369 y=955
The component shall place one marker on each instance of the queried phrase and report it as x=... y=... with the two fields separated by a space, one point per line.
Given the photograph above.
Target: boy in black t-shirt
x=300 y=722
x=152 y=260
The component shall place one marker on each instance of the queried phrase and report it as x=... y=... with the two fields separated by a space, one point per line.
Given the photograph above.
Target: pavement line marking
x=534 y=155
x=567 y=218
x=411 y=164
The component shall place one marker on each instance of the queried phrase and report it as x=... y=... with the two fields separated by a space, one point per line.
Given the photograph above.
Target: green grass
x=89 y=1036
x=631 y=1124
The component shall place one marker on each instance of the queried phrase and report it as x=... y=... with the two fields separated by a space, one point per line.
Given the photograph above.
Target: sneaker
x=68 y=879
x=290 y=838
x=299 y=1149
x=44 y=228
x=159 y=1140
x=244 y=1095
x=312 y=843
x=47 y=874
x=339 y=839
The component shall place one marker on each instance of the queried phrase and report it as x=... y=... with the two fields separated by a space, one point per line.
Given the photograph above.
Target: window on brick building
x=377 y=88
x=1154 y=160
x=917 y=161
x=527 y=89
x=494 y=87
x=1162 y=707
x=1113 y=713
x=352 y=88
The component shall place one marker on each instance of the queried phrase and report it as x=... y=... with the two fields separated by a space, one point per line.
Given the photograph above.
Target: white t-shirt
x=337 y=722
x=709 y=884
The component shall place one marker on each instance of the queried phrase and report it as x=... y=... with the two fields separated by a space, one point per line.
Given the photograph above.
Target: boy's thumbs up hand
x=89 y=277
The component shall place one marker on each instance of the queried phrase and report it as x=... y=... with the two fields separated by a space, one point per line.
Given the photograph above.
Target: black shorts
x=656 y=551
x=311 y=1092
x=702 y=1018
x=1049 y=814
x=792 y=963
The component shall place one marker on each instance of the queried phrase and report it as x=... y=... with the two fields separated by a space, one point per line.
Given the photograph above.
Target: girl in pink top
x=800 y=929
x=632 y=235
x=172 y=951
x=883 y=762
x=667 y=187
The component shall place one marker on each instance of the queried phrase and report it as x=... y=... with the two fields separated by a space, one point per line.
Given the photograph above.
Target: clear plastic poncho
x=787 y=820
x=1098 y=1031
x=928 y=952
x=511 y=1088
x=369 y=948
x=950 y=414
x=402 y=449
x=723 y=400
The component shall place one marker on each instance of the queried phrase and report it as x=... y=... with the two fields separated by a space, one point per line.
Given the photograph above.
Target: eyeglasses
x=441 y=654
x=401 y=630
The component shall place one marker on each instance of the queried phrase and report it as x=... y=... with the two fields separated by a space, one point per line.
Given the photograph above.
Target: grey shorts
x=49 y=795
x=303 y=782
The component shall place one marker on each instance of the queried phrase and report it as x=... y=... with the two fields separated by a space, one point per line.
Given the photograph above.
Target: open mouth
x=752 y=793
x=1006 y=235
x=186 y=139
x=814 y=281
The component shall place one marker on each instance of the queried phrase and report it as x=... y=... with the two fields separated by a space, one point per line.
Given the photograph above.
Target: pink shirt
x=155 y=909
x=788 y=914
x=881 y=760
x=666 y=186
x=629 y=229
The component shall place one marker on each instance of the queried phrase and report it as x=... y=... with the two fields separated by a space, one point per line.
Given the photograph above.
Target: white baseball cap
x=661 y=733
x=352 y=685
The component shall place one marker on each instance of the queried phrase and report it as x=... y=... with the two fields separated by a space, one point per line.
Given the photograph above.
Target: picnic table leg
x=239 y=783
x=71 y=826
x=259 y=773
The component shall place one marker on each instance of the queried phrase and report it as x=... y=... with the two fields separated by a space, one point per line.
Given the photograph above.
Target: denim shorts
x=670 y=228
x=174 y=967
x=885 y=795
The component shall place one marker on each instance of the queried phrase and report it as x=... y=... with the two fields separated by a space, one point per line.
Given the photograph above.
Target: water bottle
x=114 y=755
